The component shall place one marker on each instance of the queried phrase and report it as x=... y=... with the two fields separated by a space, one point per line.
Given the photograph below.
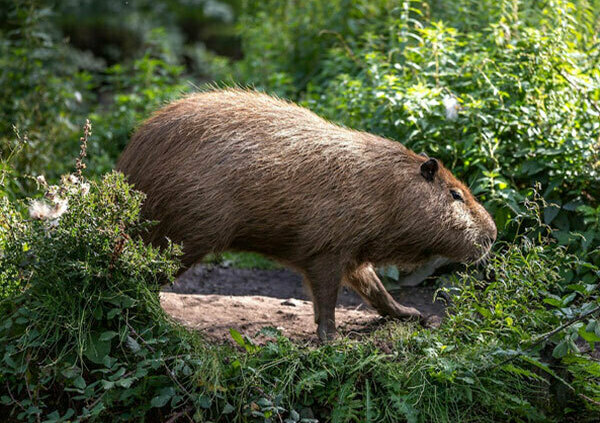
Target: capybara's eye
x=456 y=195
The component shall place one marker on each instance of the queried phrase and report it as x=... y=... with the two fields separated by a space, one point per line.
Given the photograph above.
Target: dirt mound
x=214 y=299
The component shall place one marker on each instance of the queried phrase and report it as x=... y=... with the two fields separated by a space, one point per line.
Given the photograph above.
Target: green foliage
x=48 y=87
x=506 y=93
x=84 y=315
x=242 y=260
x=136 y=89
x=39 y=88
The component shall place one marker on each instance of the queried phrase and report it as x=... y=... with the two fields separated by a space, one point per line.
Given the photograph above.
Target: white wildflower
x=85 y=188
x=40 y=210
x=41 y=180
x=60 y=207
x=52 y=192
x=451 y=104
x=72 y=179
x=52 y=223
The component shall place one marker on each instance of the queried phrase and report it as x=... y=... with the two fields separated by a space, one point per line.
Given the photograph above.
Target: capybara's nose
x=493 y=233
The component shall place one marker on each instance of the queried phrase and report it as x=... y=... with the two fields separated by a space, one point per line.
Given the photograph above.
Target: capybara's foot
x=405 y=313
x=431 y=322
x=326 y=332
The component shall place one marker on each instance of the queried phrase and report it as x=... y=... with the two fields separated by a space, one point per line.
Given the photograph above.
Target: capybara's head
x=456 y=225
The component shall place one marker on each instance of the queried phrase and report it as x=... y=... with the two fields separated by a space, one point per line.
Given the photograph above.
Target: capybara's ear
x=429 y=169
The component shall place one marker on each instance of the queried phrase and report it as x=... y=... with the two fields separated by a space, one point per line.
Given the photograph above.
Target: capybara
x=240 y=170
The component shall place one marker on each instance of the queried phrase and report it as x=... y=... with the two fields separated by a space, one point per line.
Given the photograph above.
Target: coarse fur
x=239 y=170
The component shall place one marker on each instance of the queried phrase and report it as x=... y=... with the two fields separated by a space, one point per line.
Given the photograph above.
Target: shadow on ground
x=213 y=299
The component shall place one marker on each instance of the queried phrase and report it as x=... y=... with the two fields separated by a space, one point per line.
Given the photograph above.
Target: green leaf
x=204 y=401
x=590 y=337
x=237 y=337
x=126 y=382
x=561 y=349
x=112 y=313
x=160 y=400
x=553 y=302
x=133 y=345
x=79 y=383
x=108 y=335
x=163 y=397
x=550 y=213
x=228 y=409
x=96 y=349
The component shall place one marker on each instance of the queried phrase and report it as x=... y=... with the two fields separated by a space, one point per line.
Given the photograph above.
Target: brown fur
x=235 y=169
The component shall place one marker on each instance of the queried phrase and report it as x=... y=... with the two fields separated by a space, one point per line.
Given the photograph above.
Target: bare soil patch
x=214 y=299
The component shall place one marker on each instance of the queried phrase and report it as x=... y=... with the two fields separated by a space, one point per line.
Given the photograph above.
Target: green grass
x=242 y=260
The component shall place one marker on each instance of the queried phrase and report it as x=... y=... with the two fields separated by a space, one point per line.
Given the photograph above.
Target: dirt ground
x=213 y=299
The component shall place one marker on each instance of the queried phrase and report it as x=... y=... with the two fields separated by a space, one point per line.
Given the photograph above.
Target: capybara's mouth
x=484 y=248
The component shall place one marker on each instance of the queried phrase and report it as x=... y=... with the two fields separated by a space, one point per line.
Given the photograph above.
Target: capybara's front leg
x=364 y=280
x=323 y=277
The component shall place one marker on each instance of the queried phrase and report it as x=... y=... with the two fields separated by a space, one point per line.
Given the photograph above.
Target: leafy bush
x=40 y=90
x=48 y=88
x=86 y=317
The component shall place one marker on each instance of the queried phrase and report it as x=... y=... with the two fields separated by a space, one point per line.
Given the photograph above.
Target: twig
x=177 y=415
x=543 y=338
x=13 y=398
x=563 y=326
x=79 y=164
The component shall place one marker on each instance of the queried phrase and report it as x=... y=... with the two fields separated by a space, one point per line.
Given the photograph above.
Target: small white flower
x=52 y=223
x=85 y=188
x=72 y=179
x=39 y=210
x=77 y=96
x=52 y=192
x=451 y=104
x=60 y=207
x=41 y=180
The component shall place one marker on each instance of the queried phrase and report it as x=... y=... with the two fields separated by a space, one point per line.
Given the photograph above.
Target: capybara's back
x=235 y=169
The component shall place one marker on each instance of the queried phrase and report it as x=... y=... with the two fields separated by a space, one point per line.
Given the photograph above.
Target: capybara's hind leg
x=364 y=280
x=323 y=279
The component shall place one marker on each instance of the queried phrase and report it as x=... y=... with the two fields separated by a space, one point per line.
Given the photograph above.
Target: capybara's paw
x=326 y=333
x=431 y=322
x=410 y=313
